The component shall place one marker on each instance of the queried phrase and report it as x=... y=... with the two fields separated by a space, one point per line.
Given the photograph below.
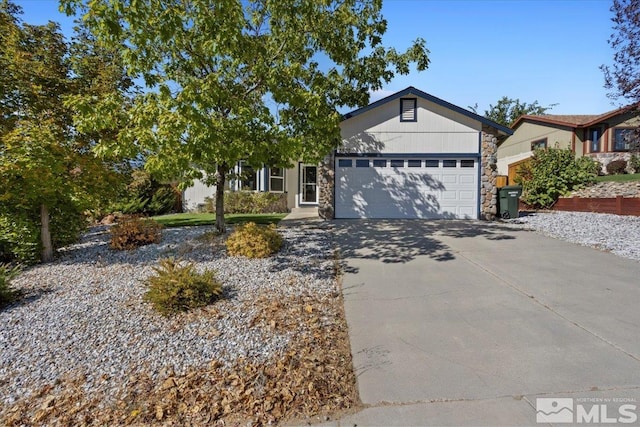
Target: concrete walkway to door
x=467 y=323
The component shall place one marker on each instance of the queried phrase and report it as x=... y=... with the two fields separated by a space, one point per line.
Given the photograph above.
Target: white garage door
x=406 y=188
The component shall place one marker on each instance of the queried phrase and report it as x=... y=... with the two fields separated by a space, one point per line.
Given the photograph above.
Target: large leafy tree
x=623 y=76
x=230 y=80
x=48 y=172
x=507 y=110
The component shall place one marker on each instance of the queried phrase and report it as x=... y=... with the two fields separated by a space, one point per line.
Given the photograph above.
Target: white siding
x=437 y=130
x=195 y=195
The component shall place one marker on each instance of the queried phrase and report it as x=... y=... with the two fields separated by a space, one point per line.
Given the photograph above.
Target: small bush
x=135 y=232
x=253 y=241
x=553 y=173
x=7 y=293
x=146 y=195
x=616 y=167
x=634 y=162
x=19 y=239
x=250 y=202
x=175 y=287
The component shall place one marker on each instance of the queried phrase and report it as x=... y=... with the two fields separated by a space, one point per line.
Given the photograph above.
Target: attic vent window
x=408 y=110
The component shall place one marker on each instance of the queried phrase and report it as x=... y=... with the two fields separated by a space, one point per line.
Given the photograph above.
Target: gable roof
x=572 y=121
x=416 y=92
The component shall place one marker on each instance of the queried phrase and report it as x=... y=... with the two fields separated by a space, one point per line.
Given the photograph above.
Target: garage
x=412 y=155
x=407 y=187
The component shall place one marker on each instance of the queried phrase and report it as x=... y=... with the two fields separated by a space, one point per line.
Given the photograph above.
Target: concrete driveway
x=467 y=323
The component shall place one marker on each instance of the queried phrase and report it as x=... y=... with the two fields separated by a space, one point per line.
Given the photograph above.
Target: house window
x=625 y=139
x=276 y=180
x=539 y=144
x=594 y=139
x=362 y=163
x=432 y=163
x=345 y=163
x=414 y=163
x=467 y=163
x=248 y=177
x=448 y=163
x=397 y=163
x=379 y=163
x=408 y=110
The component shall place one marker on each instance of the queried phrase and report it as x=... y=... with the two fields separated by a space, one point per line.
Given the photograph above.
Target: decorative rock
x=610 y=189
x=618 y=234
x=88 y=319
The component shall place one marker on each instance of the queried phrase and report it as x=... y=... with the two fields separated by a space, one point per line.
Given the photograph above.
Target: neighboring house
x=604 y=137
x=409 y=155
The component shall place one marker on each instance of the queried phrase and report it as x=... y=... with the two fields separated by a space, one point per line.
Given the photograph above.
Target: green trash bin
x=508 y=199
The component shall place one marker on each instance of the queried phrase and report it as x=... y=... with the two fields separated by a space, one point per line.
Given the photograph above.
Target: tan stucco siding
x=518 y=146
x=436 y=130
x=526 y=133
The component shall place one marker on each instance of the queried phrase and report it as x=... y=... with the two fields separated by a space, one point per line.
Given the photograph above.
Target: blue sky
x=481 y=50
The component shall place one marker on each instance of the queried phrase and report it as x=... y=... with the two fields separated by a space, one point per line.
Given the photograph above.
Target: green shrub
x=7 y=293
x=254 y=241
x=553 y=173
x=634 y=162
x=132 y=233
x=250 y=202
x=20 y=230
x=163 y=201
x=145 y=195
x=175 y=287
x=19 y=239
x=617 y=167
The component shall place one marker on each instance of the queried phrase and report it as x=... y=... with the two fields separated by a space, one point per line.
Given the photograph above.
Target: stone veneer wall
x=488 y=174
x=326 y=184
x=606 y=158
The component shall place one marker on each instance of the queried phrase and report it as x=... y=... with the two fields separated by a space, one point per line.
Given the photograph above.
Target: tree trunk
x=221 y=176
x=45 y=234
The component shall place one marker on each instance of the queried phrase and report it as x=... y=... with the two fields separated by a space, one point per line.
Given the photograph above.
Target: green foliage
x=7 y=293
x=617 y=167
x=254 y=241
x=179 y=287
x=145 y=195
x=553 y=173
x=46 y=166
x=132 y=233
x=191 y=219
x=621 y=78
x=507 y=110
x=19 y=238
x=634 y=162
x=230 y=81
x=250 y=202
x=619 y=178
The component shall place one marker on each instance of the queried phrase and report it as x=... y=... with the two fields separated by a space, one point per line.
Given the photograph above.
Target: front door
x=308 y=184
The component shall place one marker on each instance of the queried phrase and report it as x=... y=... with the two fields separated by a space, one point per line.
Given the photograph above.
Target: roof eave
x=502 y=130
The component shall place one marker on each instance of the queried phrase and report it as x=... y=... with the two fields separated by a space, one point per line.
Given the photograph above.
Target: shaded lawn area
x=619 y=178
x=191 y=219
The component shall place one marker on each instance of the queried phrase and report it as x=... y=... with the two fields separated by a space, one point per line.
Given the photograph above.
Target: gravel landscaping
x=83 y=316
x=614 y=233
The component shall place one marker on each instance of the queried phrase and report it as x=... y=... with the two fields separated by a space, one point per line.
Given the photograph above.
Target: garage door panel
x=406 y=192
x=467 y=179
x=467 y=195
x=450 y=179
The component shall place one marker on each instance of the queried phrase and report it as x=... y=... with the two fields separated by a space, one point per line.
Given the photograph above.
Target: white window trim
x=281 y=177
